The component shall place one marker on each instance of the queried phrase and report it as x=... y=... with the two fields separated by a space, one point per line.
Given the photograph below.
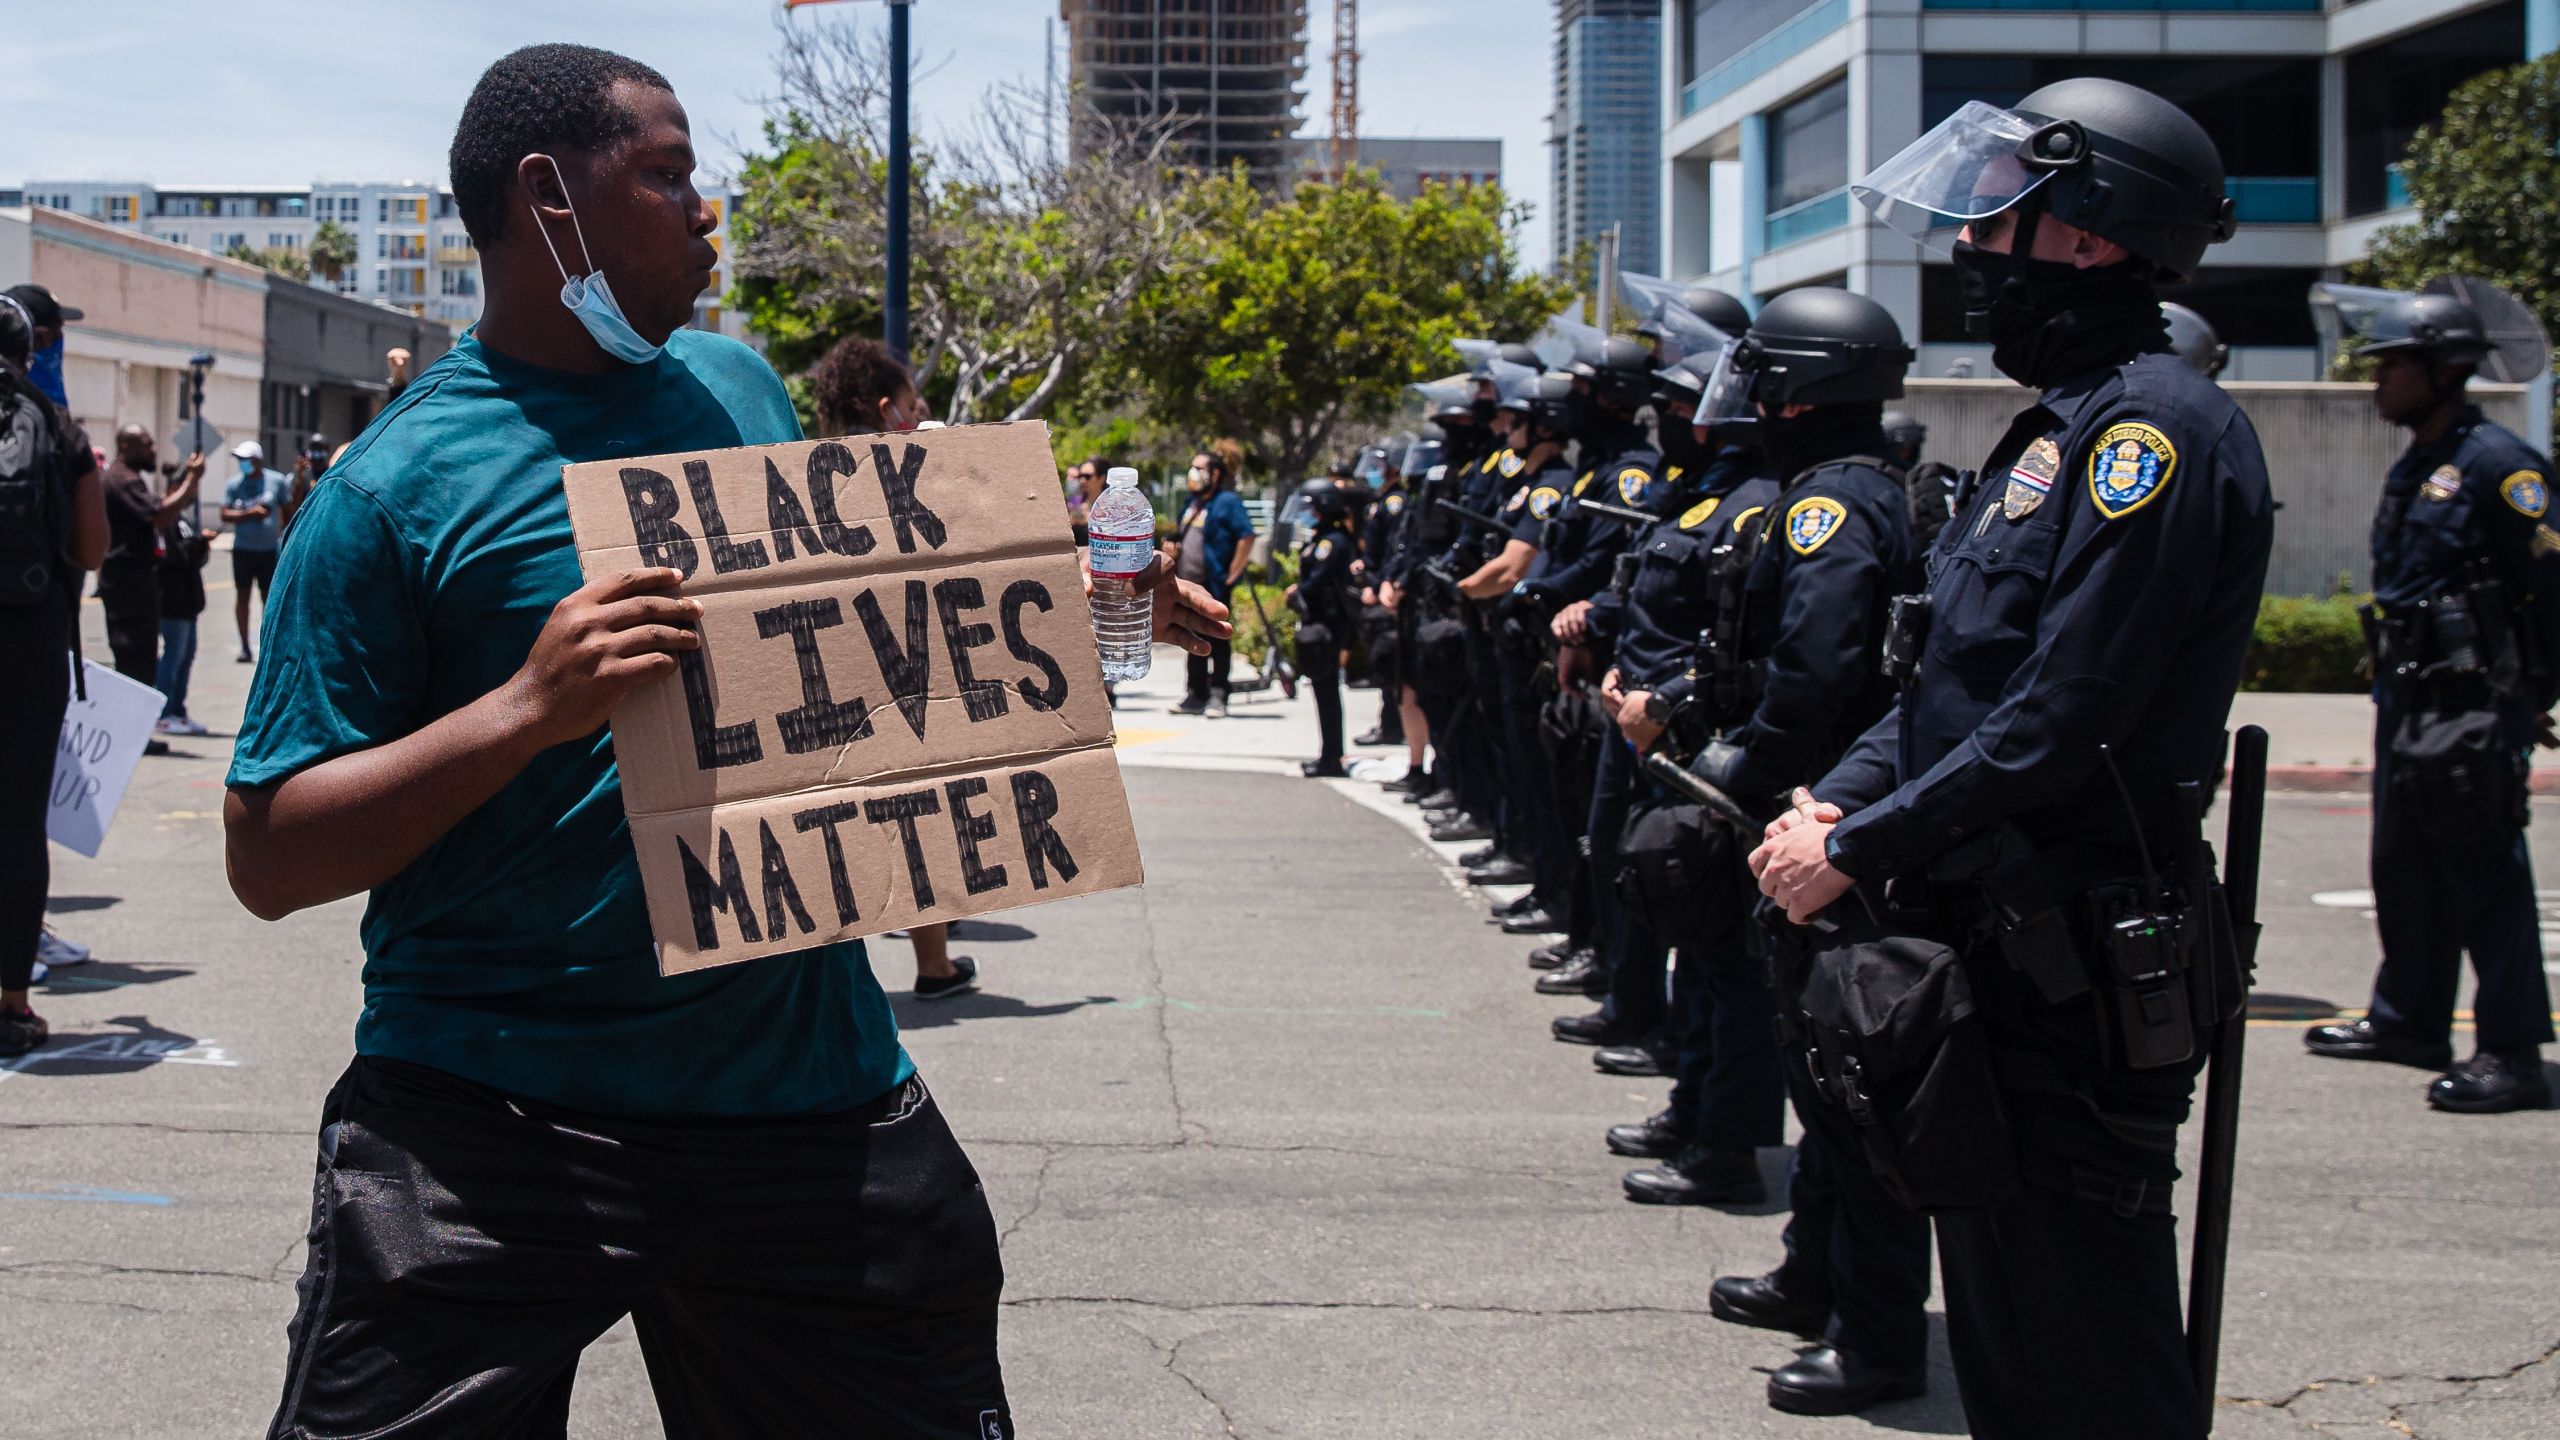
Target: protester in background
x=1217 y=538
x=395 y=373
x=184 y=547
x=307 y=465
x=1084 y=482
x=255 y=505
x=862 y=388
x=44 y=360
x=53 y=526
x=129 y=580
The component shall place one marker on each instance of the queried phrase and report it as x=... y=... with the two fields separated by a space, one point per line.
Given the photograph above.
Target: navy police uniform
x=1328 y=600
x=2096 y=588
x=2468 y=515
x=1380 y=527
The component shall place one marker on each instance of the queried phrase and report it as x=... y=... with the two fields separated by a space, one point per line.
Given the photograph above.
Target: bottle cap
x=1122 y=475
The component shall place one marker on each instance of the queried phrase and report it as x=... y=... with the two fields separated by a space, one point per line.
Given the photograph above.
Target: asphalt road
x=1278 y=1145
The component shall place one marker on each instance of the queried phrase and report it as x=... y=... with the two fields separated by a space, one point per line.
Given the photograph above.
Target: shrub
x=2306 y=645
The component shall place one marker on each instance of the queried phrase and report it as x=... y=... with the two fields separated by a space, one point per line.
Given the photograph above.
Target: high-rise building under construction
x=1232 y=69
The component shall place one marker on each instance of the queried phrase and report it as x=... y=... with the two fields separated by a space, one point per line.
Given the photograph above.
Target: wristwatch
x=1657 y=711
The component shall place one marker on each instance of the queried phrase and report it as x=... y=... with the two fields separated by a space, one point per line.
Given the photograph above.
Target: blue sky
x=287 y=91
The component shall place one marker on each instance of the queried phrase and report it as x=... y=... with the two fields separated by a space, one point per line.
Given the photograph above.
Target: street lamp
x=893 y=308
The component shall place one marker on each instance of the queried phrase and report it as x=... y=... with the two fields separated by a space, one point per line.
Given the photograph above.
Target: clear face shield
x=1732 y=386
x=1658 y=311
x=2518 y=350
x=1975 y=164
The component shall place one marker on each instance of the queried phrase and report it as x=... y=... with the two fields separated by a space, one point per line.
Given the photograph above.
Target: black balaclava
x=2048 y=321
x=1482 y=407
x=1825 y=432
x=1680 y=444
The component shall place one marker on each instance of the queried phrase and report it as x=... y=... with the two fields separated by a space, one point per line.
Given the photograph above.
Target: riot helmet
x=1331 y=502
x=1620 y=372
x=1814 y=346
x=2192 y=339
x=1371 y=467
x=1904 y=435
x=2452 y=320
x=2111 y=158
x=1422 y=454
x=1717 y=308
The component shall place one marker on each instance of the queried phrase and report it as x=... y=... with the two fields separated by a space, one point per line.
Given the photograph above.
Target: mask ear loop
x=575 y=228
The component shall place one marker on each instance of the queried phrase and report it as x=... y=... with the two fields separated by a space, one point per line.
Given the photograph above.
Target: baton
x=1620 y=513
x=1724 y=807
x=2209 y=1264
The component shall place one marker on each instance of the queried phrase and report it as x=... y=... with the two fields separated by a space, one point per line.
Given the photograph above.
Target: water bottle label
x=1121 y=557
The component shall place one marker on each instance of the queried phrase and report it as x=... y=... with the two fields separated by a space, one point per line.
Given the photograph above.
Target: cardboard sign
x=102 y=740
x=896 y=716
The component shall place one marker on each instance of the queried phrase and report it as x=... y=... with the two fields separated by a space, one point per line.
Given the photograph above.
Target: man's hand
x=396 y=361
x=1633 y=723
x=1792 y=866
x=1183 y=614
x=193 y=470
x=606 y=638
x=1610 y=694
x=1390 y=594
x=1572 y=624
x=254 y=512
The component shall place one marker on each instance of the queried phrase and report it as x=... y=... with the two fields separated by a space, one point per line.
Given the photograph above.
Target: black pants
x=1487 y=773
x=2063 y=1304
x=2433 y=901
x=131 y=596
x=1206 y=675
x=1637 y=962
x=1727 y=1090
x=1537 y=833
x=35 y=654
x=1320 y=670
x=1852 y=1246
x=829 y=1275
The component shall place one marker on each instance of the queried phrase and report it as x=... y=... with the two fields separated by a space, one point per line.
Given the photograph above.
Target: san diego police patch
x=1813 y=521
x=1631 y=483
x=1544 y=500
x=2526 y=491
x=1395 y=504
x=1510 y=465
x=1696 y=515
x=2131 y=463
x=1324 y=549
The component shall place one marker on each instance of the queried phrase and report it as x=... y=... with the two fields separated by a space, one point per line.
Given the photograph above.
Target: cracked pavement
x=1277 y=1146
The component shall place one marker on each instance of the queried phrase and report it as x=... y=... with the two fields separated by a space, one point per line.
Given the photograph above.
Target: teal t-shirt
x=516 y=952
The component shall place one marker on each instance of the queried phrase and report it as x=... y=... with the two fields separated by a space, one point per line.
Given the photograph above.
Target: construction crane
x=1346 y=87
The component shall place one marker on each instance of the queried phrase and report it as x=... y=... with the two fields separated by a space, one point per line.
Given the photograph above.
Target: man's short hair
x=851 y=380
x=539 y=100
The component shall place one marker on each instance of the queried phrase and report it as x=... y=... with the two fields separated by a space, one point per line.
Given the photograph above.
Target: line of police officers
x=1914 y=764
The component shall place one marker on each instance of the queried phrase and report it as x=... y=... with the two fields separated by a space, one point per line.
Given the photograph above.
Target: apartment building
x=411 y=249
x=1774 y=106
x=1605 y=133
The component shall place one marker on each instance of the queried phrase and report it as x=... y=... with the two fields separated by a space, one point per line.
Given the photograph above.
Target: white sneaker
x=60 y=954
x=166 y=725
x=183 y=725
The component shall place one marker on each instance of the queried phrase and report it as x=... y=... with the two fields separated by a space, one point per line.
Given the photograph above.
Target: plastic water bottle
x=1120 y=527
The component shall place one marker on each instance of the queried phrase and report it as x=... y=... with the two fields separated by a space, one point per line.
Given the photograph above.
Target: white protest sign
x=102 y=740
x=896 y=716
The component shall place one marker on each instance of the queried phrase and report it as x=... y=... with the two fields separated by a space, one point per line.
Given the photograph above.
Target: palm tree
x=333 y=251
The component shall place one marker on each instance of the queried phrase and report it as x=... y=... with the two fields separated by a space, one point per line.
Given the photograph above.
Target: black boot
x=2364 y=1040
x=1756 y=1300
x=1700 y=1175
x=1824 y=1381
x=1481 y=855
x=1654 y=1137
x=1580 y=975
x=1548 y=957
x=1500 y=870
x=2493 y=1082
x=1593 y=1029
x=1323 y=770
x=1650 y=1056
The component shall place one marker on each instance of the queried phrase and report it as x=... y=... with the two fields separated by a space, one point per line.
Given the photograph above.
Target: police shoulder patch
x=2526 y=492
x=1324 y=549
x=1696 y=515
x=1395 y=504
x=1632 y=482
x=1747 y=516
x=2130 y=464
x=2546 y=541
x=1811 y=522
x=1544 y=500
x=1511 y=464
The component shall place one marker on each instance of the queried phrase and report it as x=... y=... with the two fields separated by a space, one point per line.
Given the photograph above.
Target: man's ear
x=2091 y=251
x=538 y=181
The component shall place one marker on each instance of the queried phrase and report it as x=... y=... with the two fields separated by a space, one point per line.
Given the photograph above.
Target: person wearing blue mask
x=44 y=362
x=255 y=504
x=741 y=1159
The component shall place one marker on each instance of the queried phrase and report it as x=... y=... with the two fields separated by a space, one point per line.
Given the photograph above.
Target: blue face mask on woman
x=44 y=369
x=590 y=298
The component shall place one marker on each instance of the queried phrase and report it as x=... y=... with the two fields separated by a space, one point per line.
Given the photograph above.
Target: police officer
x=2087 y=617
x=1612 y=383
x=1379 y=526
x=2192 y=339
x=2466 y=616
x=1326 y=598
x=1904 y=438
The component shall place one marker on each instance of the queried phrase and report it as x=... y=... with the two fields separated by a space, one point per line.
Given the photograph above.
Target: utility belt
x=2469 y=632
x=1906 y=635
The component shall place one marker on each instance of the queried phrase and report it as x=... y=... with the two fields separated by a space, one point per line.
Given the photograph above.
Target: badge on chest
x=2031 y=479
x=2442 y=485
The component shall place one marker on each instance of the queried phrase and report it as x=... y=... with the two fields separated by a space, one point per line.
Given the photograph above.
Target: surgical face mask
x=44 y=371
x=589 y=297
x=248 y=466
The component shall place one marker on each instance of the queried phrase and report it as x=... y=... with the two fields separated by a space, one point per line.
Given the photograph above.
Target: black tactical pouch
x=2455 y=774
x=1888 y=1028
x=1677 y=870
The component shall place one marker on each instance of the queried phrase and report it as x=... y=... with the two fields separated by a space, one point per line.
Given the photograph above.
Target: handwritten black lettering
x=1035 y=804
x=907 y=515
x=827 y=818
x=827 y=460
x=715 y=746
x=908 y=670
x=651 y=498
x=972 y=828
x=779 y=888
x=822 y=721
x=705 y=896
x=981 y=699
x=726 y=555
x=902 y=810
x=784 y=517
x=1053 y=689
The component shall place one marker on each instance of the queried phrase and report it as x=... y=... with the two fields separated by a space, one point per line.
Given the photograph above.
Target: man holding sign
x=540 y=1133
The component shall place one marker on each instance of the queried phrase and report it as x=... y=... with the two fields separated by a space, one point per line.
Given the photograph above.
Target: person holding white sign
x=53 y=526
x=540 y=1134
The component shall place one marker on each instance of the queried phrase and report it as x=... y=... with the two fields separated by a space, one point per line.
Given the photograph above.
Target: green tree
x=2485 y=179
x=1294 y=319
x=332 y=252
x=292 y=264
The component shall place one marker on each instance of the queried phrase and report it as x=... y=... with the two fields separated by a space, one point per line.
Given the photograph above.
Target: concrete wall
x=2326 y=453
x=331 y=347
